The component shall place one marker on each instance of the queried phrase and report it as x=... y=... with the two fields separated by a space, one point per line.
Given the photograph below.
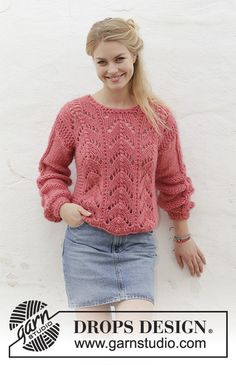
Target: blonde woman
x=126 y=147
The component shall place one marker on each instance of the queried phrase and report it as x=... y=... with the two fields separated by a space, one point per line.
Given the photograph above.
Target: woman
x=126 y=147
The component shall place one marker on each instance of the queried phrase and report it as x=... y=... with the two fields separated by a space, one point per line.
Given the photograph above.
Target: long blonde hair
x=126 y=32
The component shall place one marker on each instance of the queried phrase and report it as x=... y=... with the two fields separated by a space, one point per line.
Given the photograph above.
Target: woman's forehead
x=110 y=50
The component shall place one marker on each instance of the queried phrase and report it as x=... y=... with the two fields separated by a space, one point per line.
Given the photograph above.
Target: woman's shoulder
x=166 y=115
x=161 y=108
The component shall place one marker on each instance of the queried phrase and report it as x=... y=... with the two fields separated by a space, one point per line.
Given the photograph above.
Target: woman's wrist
x=62 y=207
x=182 y=233
x=182 y=239
x=181 y=227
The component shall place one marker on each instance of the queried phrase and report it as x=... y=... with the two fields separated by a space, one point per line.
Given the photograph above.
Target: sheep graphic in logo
x=34 y=325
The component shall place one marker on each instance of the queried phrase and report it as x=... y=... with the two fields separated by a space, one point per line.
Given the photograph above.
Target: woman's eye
x=119 y=58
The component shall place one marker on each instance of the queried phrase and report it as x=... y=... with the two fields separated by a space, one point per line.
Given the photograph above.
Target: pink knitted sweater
x=124 y=169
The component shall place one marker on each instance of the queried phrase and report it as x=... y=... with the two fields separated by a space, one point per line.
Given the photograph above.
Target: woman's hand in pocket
x=72 y=213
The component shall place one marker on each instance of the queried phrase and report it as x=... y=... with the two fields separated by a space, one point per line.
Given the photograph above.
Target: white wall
x=190 y=59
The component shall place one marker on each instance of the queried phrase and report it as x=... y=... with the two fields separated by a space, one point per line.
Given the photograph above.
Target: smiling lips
x=116 y=78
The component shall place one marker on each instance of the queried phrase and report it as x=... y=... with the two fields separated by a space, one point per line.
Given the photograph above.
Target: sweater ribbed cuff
x=179 y=216
x=57 y=205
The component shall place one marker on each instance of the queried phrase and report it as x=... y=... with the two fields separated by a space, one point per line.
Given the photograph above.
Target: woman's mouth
x=116 y=79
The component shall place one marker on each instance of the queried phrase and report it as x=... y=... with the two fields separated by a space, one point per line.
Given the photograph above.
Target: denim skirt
x=101 y=268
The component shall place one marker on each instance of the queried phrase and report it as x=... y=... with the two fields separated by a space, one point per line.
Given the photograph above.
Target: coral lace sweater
x=124 y=170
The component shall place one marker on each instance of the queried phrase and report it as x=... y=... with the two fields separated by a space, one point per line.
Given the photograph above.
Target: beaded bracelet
x=183 y=238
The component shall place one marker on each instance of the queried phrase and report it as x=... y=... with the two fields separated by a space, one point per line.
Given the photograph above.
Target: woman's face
x=112 y=60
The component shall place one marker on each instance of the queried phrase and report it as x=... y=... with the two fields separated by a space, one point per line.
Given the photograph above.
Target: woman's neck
x=115 y=101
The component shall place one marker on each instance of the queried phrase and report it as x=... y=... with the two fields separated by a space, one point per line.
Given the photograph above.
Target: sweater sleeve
x=54 y=173
x=174 y=185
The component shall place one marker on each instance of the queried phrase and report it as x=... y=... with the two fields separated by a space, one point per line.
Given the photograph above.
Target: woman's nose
x=112 y=69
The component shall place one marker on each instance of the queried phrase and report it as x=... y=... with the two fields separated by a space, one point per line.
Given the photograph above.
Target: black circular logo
x=34 y=325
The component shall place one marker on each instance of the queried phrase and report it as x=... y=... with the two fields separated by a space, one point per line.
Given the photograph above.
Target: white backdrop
x=190 y=60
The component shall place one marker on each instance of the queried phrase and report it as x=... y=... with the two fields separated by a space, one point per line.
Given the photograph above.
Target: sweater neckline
x=106 y=108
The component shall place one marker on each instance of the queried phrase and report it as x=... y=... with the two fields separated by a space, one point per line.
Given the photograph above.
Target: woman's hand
x=189 y=253
x=72 y=214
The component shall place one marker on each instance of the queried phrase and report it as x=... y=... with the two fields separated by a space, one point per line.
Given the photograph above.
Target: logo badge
x=34 y=326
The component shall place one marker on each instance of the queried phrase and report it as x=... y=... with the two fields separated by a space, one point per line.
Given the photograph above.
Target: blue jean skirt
x=101 y=268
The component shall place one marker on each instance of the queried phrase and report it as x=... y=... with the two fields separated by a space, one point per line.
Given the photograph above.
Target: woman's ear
x=134 y=58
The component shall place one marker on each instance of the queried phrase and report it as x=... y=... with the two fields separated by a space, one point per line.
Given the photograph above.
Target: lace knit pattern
x=121 y=166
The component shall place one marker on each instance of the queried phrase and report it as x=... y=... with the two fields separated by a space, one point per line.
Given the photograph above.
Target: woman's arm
x=176 y=189
x=188 y=252
x=54 y=173
x=181 y=227
x=174 y=185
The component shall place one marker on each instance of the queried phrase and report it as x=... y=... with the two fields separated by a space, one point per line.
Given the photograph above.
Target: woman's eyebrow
x=100 y=58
